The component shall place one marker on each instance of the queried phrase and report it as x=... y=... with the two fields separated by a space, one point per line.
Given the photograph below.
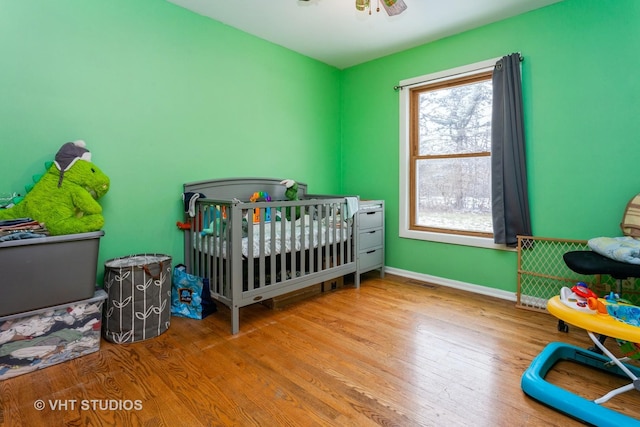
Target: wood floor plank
x=396 y=352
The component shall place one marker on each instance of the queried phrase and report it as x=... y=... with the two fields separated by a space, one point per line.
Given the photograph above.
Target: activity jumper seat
x=598 y=316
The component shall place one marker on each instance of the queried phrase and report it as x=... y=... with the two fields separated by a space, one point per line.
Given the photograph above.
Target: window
x=445 y=156
x=450 y=160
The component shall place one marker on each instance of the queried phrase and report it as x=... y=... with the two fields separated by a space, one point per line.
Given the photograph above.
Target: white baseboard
x=478 y=289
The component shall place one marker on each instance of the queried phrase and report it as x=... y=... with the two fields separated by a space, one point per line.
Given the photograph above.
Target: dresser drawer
x=370 y=259
x=371 y=239
x=371 y=219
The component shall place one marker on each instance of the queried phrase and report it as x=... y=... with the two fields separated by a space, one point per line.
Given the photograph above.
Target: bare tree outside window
x=451 y=156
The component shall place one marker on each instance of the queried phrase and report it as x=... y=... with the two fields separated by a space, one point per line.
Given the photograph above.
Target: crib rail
x=251 y=251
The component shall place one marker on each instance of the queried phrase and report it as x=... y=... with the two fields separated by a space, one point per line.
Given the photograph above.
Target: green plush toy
x=291 y=193
x=64 y=199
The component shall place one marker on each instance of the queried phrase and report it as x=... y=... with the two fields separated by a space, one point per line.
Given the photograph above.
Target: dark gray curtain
x=508 y=167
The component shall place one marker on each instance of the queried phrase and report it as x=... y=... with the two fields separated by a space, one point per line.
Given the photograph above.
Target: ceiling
x=334 y=32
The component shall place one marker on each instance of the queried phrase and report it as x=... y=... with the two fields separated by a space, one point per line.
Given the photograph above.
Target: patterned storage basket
x=138 y=306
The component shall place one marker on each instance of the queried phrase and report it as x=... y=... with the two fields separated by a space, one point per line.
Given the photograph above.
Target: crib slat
x=261 y=248
x=303 y=240
x=321 y=237
x=323 y=241
x=216 y=259
x=273 y=257
x=202 y=258
x=224 y=264
x=350 y=235
x=334 y=227
x=312 y=250
x=214 y=243
x=292 y=240
x=283 y=255
x=314 y=236
x=250 y=258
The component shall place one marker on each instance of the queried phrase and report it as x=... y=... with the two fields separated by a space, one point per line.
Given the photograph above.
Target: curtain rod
x=400 y=87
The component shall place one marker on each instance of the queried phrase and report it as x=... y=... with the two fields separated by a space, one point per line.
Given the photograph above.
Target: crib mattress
x=314 y=234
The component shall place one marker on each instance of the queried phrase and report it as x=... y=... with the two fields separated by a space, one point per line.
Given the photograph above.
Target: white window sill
x=454 y=239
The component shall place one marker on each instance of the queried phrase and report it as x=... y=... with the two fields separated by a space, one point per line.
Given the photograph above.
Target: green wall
x=161 y=96
x=581 y=95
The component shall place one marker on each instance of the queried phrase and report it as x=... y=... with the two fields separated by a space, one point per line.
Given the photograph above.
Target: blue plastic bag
x=190 y=295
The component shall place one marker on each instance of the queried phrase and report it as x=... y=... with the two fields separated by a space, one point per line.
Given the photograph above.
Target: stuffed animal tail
x=14 y=212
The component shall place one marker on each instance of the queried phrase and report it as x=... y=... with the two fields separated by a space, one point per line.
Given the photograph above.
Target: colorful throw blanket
x=624 y=249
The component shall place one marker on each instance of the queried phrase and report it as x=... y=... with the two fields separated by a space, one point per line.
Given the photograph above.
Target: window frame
x=406 y=209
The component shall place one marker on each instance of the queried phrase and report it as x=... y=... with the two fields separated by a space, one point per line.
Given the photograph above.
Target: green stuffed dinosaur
x=64 y=199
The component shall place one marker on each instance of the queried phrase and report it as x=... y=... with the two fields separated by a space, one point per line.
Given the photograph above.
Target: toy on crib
x=183 y=225
x=264 y=196
x=260 y=195
x=291 y=193
x=65 y=197
x=215 y=228
x=216 y=225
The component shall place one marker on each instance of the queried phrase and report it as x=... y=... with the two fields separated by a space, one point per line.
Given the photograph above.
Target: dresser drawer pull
x=370 y=252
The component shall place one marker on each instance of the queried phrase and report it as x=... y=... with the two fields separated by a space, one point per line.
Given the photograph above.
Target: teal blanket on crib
x=624 y=249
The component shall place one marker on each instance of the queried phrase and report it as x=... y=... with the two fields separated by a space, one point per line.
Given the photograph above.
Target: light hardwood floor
x=394 y=353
